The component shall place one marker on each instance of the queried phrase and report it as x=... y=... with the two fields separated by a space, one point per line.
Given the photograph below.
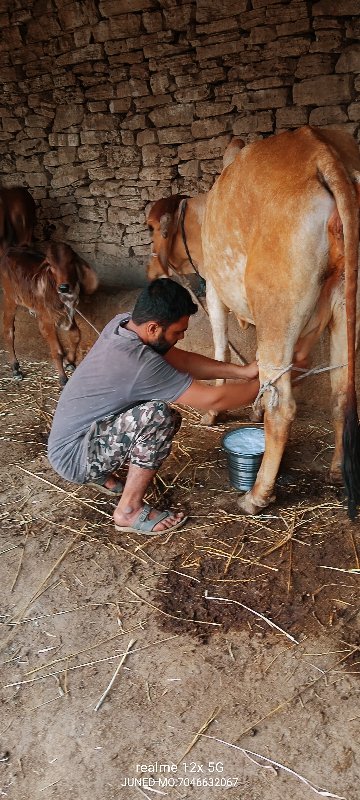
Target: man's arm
x=203 y=368
x=219 y=398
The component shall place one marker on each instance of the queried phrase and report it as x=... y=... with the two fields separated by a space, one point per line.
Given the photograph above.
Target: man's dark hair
x=163 y=301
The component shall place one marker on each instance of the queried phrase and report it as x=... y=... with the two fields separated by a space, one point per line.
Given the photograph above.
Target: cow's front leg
x=218 y=315
x=277 y=427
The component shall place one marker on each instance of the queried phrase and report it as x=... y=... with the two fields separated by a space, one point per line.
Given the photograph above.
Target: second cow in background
x=17 y=217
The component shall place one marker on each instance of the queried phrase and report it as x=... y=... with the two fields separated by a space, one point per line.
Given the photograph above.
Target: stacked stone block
x=110 y=104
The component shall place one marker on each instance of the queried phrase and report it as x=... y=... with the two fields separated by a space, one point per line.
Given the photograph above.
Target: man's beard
x=161 y=346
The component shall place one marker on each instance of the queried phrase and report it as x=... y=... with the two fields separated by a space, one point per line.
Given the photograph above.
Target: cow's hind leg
x=218 y=314
x=9 y=335
x=47 y=330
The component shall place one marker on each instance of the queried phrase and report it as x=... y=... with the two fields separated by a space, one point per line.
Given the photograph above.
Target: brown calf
x=49 y=286
x=17 y=217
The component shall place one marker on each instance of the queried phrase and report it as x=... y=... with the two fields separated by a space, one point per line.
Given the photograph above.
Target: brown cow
x=49 y=286
x=17 y=217
x=280 y=237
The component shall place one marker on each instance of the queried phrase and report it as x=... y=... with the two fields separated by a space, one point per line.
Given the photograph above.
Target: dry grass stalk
x=68 y=656
x=19 y=565
x=12 y=547
x=86 y=664
x=200 y=732
x=355 y=550
x=275 y=765
x=58 y=613
x=49 y=785
x=130 y=553
x=298 y=693
x=69 y=495
x=339 y=569
x=108 y=688
x=39 y=590
x=172 y=616
x=249 y=561
x=47 y=702
x=256 y=614
x=290 y=553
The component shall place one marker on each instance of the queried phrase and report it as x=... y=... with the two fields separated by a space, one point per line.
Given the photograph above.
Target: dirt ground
x=211 y=700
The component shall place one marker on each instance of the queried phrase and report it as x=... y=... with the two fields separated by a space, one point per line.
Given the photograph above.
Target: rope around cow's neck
x=269 y=386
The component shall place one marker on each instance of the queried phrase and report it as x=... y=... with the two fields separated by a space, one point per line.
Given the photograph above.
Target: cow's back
x=268 y=206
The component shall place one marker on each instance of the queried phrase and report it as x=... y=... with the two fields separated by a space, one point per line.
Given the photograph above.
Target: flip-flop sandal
x=116 y=490
x=142 y=523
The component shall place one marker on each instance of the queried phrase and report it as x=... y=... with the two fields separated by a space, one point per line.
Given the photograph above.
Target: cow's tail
x=343 y=187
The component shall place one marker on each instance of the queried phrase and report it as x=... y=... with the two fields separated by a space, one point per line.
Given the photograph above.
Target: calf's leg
x=74 y=337
x=9 y=335
x=47 y=330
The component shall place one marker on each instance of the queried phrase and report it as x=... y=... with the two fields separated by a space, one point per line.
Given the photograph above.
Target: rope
x=88 y=321
x=269 y=386
x=182 y=225
x=315 y=371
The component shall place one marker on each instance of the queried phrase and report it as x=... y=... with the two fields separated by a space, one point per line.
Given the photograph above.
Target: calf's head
x=69 y=272
x=162 y=221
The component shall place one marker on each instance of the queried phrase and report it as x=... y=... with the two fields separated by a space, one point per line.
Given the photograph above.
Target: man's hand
x=250 y=371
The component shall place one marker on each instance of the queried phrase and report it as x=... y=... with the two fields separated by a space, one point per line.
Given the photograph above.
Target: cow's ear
x=165 y=221
x=88 y=278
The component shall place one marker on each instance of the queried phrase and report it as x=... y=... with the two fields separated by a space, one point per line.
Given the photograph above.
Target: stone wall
x=109 y=104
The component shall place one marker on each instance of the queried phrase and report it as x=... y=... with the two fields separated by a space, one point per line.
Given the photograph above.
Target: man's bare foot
x=111 y=481
x=109 y=484
x=144 y=519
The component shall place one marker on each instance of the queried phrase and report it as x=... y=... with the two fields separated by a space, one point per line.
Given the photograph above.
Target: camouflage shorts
x=142 y=435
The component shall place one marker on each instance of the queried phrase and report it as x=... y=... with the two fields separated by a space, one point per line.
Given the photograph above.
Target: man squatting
x=115 y=407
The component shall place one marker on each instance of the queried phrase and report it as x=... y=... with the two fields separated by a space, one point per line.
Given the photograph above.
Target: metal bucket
x=244 y=448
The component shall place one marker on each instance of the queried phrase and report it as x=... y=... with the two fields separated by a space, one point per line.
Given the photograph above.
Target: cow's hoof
x=16 y=371
x=62 y=381
x=335 y=477
x=209 y=418
x=70 y=367
x=248 y=507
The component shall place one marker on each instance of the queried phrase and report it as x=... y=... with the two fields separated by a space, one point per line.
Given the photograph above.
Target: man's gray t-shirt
x=119 y=372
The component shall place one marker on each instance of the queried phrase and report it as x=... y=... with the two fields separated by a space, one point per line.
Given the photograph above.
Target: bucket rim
x=254 y=426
